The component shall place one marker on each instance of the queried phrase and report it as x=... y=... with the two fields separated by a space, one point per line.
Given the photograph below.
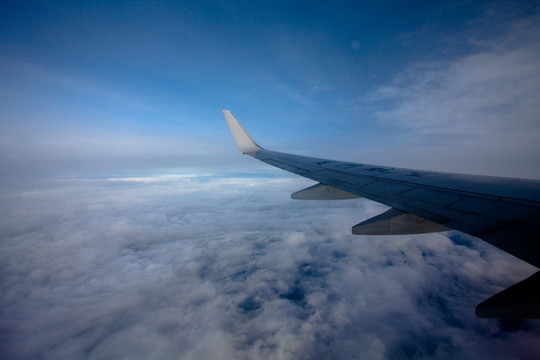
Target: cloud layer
x=213 y=268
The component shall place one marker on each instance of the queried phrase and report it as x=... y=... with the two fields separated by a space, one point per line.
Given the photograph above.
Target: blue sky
x=137 y=87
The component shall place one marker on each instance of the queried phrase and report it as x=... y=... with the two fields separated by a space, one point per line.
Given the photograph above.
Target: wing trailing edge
x=519 y=301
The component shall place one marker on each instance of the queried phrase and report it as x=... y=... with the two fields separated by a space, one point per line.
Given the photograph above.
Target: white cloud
x=483 y=105
x=209 y=268
x=493 y=90
x=157 y=178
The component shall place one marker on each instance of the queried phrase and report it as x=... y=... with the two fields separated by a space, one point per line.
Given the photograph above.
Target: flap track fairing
x=396 y=222
x=322 y=192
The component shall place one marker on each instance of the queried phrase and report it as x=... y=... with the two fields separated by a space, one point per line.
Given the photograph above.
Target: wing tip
x=244 y=141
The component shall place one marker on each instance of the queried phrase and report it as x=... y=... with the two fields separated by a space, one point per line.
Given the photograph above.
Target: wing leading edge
x=504 y=212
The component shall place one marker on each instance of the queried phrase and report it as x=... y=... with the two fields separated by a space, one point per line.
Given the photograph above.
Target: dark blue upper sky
x=143 y=83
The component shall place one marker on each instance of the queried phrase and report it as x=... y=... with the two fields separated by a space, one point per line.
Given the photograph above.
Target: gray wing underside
x=505 y=212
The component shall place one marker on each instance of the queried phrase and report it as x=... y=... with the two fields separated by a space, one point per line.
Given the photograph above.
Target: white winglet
x=244 y=142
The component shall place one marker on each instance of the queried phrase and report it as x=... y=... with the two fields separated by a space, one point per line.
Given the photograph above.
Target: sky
x=131 y=226
x=138 y=87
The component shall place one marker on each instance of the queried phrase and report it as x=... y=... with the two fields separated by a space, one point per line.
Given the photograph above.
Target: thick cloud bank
x=226 y=268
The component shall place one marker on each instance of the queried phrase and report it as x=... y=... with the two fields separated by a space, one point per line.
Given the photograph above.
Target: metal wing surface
x=505 y=212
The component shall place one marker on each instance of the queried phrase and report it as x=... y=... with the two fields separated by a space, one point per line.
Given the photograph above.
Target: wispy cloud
x=491 y=92
x=475 y=113
x=34 y=82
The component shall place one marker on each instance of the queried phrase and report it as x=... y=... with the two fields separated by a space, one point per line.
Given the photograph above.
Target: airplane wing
x=505 y=212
